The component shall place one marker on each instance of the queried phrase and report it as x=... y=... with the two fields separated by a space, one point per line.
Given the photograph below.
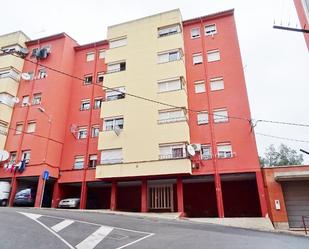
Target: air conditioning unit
x=197 y=147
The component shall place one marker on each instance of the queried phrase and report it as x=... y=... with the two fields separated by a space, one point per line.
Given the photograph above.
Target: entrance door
x=161 y=198
x=296 y=197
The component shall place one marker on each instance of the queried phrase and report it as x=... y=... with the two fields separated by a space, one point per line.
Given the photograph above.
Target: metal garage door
x=296 y=196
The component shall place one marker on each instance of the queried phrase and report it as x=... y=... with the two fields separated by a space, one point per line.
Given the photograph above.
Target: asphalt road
x=23 y=228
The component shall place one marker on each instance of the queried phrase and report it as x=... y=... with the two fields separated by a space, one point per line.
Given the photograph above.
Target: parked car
x=69 y=203
x=5 y=189
x=25 y=197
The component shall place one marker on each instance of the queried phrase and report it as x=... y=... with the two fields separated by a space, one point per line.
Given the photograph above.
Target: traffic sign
x=46 y=175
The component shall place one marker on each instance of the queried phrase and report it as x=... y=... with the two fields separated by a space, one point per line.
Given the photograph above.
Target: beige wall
x=9 y=85
x=142 y=134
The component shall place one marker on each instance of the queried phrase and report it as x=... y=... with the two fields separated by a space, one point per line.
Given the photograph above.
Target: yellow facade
x=9 y=84
x=142 y=134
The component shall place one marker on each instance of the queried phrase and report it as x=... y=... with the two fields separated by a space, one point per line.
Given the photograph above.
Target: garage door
x=296 y=196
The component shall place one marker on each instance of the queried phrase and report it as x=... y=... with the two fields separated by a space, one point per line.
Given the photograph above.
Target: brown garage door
x=296 y=196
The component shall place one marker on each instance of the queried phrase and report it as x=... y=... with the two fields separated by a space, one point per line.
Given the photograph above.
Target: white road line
x=63 y=224
x=133 y=242
x=95 y=238
x=35 y=217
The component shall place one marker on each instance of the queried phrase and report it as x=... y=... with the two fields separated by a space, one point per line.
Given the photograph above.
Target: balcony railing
x=171 y=120
x=112 y=161
x=172 y=156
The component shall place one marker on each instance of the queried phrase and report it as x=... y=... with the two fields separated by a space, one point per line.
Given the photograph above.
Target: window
x=171 y=151
x=25 y=155
x=25 y=101
x=170 y=30
x=224 y=150
x=93 y=159
x=102 y=54
x=85 y=105
x=34 y=52
x=213 y=55
x=195 y=33
x=199 y=86
x=82 y=132
x=168 y=116
x=118 y=93
x=42 y=73
x=9 y=73
x=111 y=156
x=95 y=130
x=111 y=124
x=116 y=67
x=31 y=127
x=79 y=162
x=169 y=56
x=118 y=42
x=6 y=99
x=98 y=103
x=170 y=85
x=206 y=152
x=210 y=29
x=3 y=127
x=202 y=118
x=100 y=77
x=13 y=156
x=90 y=56
x=87 y=79
x=220 y=116
x=37 y=97
x=216 y=84
x=197 y=59
x=19 y=128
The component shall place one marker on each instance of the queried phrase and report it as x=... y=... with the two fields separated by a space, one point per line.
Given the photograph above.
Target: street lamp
x=42 y=110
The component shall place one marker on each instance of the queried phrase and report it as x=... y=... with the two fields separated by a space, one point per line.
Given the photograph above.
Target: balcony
x=176 y=98
x=171 y=69
x=113 y=108
x=170 y=42
x=150 y=168
x=11 y=61
x=8 y=85
x=171 y=132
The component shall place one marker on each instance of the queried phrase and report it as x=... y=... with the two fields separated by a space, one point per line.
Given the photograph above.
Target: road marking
x=133 y=242
x=95 y=238
x=35 y=217
x=63 y=224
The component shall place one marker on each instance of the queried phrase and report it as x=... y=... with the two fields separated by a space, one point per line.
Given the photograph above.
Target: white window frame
x=224 y=150
x=31 y=127
x=171 y=151
x=114 y=156
x=197 y=58
x=90 y=56
x=26 y=155
x=118 y=42
x=110 y=124
x=42 y=73
x=206 y=147
x=79 y=162
x=169 y=85
x=165 y=57
x=19 y=128
x=25 y=100
x=201 y=120
x=197 y=35
x=169 y=30
x=210 y=54
x=95 y=130
x=37 y=99
x=116 y=94
x=85 y=102
x=219 y=114
x=102 y=54
x=96 y=101
x=212 y=31
x=93 y=160
x=82 y=132
x=216 y=85
x=171 y=116
x=199 y=86
x=116 y=67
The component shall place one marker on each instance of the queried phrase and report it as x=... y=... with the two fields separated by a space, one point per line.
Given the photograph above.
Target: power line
x=162 y=103
x=283 y=138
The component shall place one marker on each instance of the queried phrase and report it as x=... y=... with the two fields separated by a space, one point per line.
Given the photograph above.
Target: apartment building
x=10 y=68
x=155 y=118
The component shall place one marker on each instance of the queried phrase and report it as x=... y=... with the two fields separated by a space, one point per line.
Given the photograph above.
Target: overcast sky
x=276 y=63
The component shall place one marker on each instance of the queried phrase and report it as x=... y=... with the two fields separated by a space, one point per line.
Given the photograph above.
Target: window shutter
x=118 y=43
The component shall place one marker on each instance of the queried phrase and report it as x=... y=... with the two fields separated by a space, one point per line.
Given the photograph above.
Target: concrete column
x=220 y=206
x=180 y=205
x=83 y=195
x=260 y=186
x=14 y=186
x=39 y=192
x=144 y=206
x=56 y=195
x=113 y=204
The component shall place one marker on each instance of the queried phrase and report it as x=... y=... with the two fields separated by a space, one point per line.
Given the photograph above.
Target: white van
x=5 y=188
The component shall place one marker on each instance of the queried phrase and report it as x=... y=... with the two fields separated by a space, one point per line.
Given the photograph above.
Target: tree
x=283 y=156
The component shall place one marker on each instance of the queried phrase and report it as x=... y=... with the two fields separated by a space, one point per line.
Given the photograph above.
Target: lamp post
x=42 y=110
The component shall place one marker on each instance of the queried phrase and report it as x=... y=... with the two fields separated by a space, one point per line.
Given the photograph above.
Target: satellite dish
x=4 y=155
x=25 y=76
x=191 y=150
x=15 y=100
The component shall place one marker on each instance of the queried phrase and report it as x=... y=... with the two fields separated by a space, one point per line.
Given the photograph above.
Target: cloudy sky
x=276 y=62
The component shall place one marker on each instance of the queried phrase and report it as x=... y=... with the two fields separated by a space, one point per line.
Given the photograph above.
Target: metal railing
x=304 y=217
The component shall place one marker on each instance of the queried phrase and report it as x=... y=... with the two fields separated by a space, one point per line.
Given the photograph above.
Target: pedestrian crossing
x=85 y=235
